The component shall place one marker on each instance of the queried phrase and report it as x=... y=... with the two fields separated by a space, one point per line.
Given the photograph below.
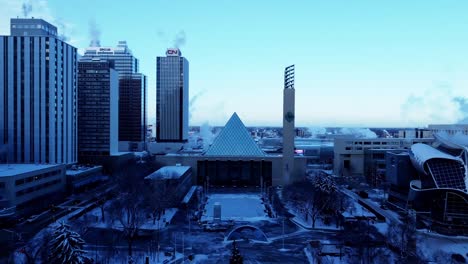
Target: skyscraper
x=172 y=88
x=132 y=94
x=132 y=109
x=124 y=61
x=38 y=75
x=288 y=125
x=98 y=105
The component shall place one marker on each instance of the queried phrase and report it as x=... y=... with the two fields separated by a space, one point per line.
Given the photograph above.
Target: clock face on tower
x=289 y=117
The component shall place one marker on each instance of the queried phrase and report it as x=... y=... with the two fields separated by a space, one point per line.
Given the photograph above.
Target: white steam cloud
x=94 y=34
x=192 y=103
x=358 y=132
x=315 y=131
x=437 y=105
x=206 y=133
x=26 y=8
x=180 y=39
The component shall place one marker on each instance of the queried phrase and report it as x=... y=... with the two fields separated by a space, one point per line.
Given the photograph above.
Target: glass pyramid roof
x=234 y=140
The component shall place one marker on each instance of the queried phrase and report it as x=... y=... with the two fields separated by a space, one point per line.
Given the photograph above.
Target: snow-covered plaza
x=239 y=207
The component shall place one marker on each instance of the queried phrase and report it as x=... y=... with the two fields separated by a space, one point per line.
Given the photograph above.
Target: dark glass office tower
x=172 y=87
x=38 y=75
x=132 y=94
x=98 y=103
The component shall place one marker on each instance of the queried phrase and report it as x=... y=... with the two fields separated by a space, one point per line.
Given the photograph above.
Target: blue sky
x=358 y=63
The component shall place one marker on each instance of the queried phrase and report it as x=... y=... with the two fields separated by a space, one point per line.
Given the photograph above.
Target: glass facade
x=132 y=90
x=95 y=115
x=172 y=79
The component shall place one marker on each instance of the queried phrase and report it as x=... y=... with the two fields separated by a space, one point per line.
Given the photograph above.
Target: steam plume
x=26 y=8
x=437 y=105
x=207 y=135
x=180 y=39
x=358 y=132
x=94 y=34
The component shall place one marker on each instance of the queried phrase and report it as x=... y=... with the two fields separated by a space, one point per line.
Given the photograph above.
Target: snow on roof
x=79 y=169
x=234 y=140
x=420 y=153
x=15 y=169
x=457 y=141
x=168 y=172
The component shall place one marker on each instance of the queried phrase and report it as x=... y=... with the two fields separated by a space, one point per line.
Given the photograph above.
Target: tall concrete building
x=38 y=82
x=288 y=125
x=132 y=94
x=172 y=88
x=124 y=61
x=98 y=103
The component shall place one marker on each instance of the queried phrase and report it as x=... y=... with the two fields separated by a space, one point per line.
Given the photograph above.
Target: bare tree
x=402 y=236
x=128 y=211
x=315 y=197
x=127 y=208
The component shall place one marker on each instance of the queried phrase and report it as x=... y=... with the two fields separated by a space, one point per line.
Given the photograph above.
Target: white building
x=349 y=152
x=172 y=93
x=38 y=82
x=26 y=185
x=450 y=129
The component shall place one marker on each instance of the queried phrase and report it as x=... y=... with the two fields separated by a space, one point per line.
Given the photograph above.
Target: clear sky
x=358 y=63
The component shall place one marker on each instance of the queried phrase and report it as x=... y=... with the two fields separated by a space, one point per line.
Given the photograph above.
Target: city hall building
x=235 y=160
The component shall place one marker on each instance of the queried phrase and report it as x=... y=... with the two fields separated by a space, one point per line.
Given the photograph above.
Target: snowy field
x=240 y=207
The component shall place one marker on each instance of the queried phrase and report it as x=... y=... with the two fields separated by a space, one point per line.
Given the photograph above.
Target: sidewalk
x=328 y=230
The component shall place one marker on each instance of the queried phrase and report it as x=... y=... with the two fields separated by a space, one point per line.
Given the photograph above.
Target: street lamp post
x=283 y=233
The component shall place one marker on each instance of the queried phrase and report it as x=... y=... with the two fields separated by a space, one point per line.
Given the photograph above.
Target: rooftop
x=78 y=169
x=168 y=172
x=15 y=169
x=234 y=140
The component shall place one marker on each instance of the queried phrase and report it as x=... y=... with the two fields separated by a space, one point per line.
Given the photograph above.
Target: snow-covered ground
x=121 y=256
x=429 y=244
x=318 y=223
x=241 y=207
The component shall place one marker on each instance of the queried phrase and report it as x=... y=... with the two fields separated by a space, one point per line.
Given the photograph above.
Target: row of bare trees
x=316 y=197
x=137 y=201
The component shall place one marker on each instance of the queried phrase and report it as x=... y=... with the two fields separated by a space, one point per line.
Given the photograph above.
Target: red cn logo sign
x=172 y=52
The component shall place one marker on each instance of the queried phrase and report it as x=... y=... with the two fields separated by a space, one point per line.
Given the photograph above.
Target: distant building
x=98 y=104
x=415 y=133
x=124 y=61
x=449 y=129
x=32 y=27
x=349 y=158
x=172 y=93
x=38 y=84
x=132 y=94
x=30 y=187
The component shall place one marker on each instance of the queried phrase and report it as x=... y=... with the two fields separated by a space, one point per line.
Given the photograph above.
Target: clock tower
x=288 y=125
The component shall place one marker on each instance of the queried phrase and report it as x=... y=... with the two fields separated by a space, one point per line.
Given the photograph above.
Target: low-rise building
x=349 y=157
x=174 y=181
x=81 y=177
x=30 y=187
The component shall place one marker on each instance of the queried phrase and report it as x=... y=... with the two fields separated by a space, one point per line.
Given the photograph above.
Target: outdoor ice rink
x=240 y=207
